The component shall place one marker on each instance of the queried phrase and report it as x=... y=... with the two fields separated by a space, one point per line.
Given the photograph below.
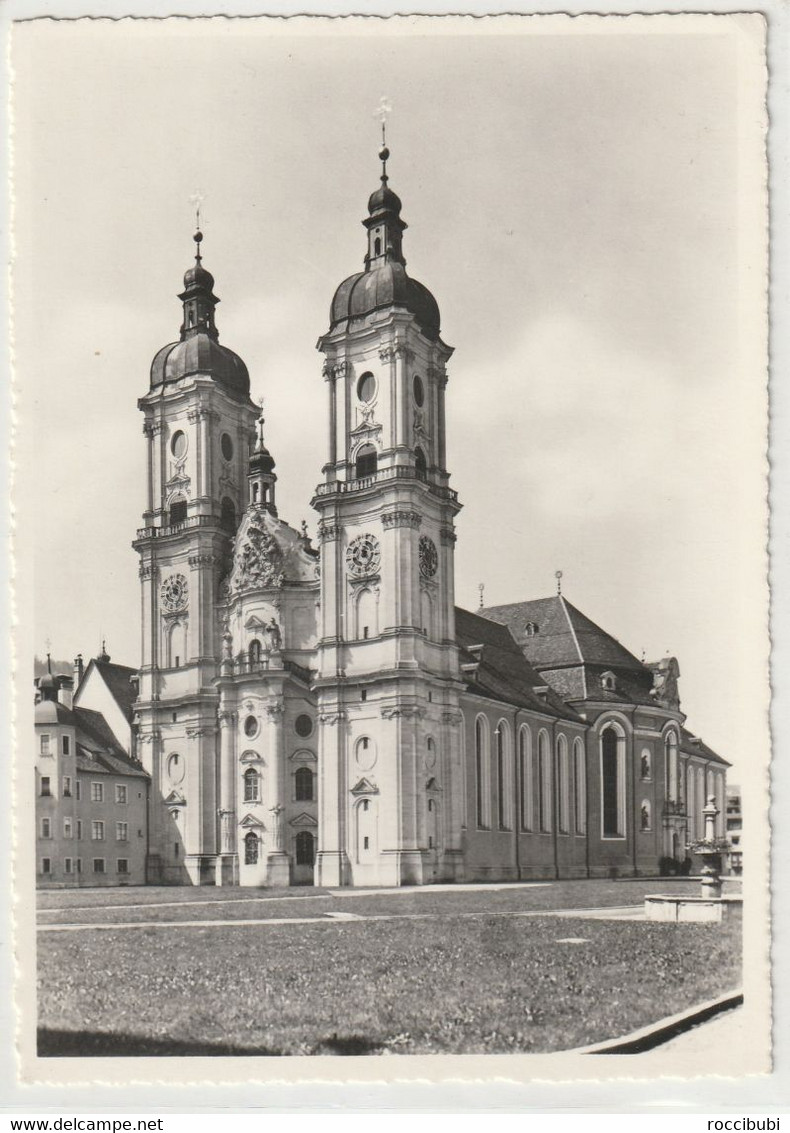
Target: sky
x=580 y=198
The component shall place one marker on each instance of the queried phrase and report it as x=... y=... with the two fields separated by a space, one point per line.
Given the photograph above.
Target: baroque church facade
x=325 y=714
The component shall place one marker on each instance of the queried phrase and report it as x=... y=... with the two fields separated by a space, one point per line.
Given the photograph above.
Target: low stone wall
x=680 y=909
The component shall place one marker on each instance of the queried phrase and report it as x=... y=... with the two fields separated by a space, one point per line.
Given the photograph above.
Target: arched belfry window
x=420 y=463
x=367 y=462
x=303 y=781
x=228 y=515
x=377 y=246
x=178 y=510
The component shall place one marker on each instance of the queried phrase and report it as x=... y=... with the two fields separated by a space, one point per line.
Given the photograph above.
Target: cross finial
x=382 y=112
x=197 y=199
x=558 y=576
x=261 y=421
x=481 y=587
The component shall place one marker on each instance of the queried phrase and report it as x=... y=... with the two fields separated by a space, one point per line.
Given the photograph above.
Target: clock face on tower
x=363 y=556
x=429 y=559
x=174 y=593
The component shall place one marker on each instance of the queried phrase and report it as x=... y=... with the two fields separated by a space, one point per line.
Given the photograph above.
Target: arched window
x=503 y=776
x=544 y=783
x=420 y=463
x=482 y=781
x=251 y=845
x=525 y=776
x=671 y=765
x=305 y=848
x=579 y=785
x=612 y=782
x=691 y=802
x=228 y=515
x=252 y=786
x=178 y=510
x=377 y=246
x=701 y=800
x=367 y=462
x=563 y=787
x=367 y=615
x=255 y=651
x=303 y=781
x=176 y=644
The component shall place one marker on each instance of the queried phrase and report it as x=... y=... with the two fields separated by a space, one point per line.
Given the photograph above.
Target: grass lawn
x=449 y=984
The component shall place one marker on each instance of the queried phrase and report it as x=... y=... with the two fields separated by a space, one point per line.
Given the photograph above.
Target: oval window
x=178 y=444
x=303 y=725
x=250 y=726
x=366 y=387
x=419 y=390
x=226 y=444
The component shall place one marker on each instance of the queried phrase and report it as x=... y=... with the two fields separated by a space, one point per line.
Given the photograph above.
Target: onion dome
x=198 y=350
x=385 y=282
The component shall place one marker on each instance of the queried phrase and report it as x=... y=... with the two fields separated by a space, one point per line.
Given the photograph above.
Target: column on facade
x=441 y=456
x=332 y=860
x=227 y=781
x=331 y=388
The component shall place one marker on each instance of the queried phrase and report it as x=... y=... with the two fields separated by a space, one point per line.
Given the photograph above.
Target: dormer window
x=531 y=629
x=608 y=682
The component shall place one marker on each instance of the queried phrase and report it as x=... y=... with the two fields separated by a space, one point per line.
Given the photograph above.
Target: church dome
x=201 y=354
x=198 y=350
x=384 y=199
x=387 y=285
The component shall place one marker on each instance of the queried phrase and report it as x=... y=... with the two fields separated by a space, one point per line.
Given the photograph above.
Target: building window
x=304 y=785
x=98 y=865
x=178 y=511
x=251 y=727
x=251 y=848
x=612 y=782
x=255 y=651
x=671 y=766
x=503 y=776
x=46 y=865
x=252 y=782
x=67 y=865
x=531 y=629
x=67 y=786
x=579 y=785
x=525 y=776
x=367 y=462
x=45 y=742
x=303 y=725
x=305 y=848
x=482 y=784
x=366 y=387
x=121 y=793
x=46 y=828
x=68 y=831
x=420 y=463
x=45 y=789
x=97 y=792
x=544 y=783
x=121 y=831
x=97 y=831
x=66 y=742
x=123 y=865
x=78 y=790
x=563 y=786
x=78 y=864
x=228 y=516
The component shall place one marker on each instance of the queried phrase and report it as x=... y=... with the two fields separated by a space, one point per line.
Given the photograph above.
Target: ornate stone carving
x=429 y=557
x=275 y=711
x=396 y=350
x=227 y=718
x=407 y=711
x=201 y=730
x=149 y=737
x=258 y=561
x=448 y=535
x=453 y=718
x=148 y=570
x=401 y=519
x=204 y=560
x=327 y=532
x=331 y=717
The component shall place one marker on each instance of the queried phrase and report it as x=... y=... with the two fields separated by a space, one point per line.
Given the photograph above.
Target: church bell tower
x=388 y=679
x=199 y=426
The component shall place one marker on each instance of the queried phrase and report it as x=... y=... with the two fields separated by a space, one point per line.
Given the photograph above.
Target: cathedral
x=325 y=714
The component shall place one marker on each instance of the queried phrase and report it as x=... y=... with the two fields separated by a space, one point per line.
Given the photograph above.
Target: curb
x=657 y=1033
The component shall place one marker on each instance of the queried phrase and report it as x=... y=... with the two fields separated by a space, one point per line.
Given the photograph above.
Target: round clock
x=174 y=593
x=363 y=556
x=429 y=559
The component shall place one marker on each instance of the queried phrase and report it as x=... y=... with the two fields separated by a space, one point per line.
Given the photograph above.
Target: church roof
x=387 y=285
x=693 y=745
x=98 y=749
x=563 y=635
x=493 y=665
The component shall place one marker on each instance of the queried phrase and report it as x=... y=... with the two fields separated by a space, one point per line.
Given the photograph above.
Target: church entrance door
x=305 y=859
x=434 y=840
